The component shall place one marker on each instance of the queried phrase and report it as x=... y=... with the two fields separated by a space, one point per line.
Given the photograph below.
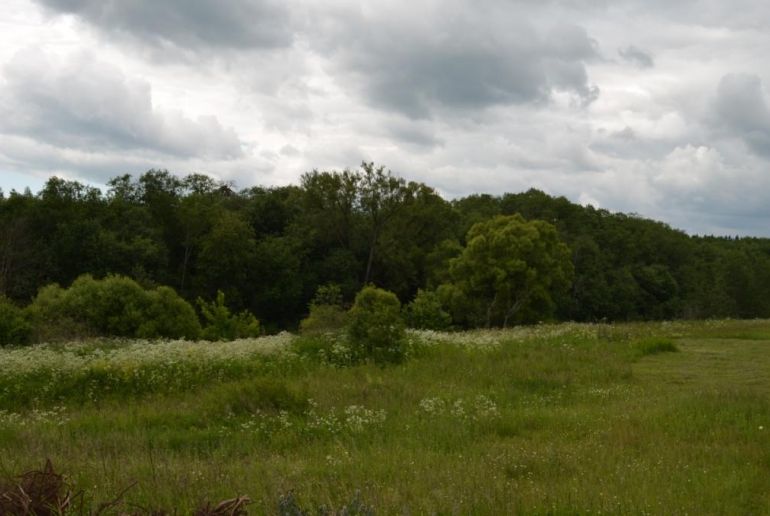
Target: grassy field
x=666 y=418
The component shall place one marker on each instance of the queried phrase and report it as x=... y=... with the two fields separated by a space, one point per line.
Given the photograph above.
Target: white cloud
x=84 y=103
x=649 y=107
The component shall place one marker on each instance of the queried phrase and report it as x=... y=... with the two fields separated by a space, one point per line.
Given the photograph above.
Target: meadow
x=653 y=418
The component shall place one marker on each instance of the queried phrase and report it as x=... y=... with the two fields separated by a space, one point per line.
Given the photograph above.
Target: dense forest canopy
x=268 y=249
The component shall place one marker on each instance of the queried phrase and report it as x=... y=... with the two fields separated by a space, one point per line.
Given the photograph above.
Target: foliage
x=426 y=312
x=198 y=235
x=376 y=328
x=113 y=306
x=326 y=312
x=513 y=269
x=324 y=319
x=14 y=327
x=169 y=316
x=221 y=324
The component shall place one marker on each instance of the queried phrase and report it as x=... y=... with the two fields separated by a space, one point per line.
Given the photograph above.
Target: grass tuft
x=655 y=345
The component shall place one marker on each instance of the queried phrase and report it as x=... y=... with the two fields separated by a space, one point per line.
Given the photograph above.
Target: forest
x=476 y=261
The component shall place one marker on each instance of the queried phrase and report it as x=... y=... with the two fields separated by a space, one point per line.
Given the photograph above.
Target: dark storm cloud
x=189 y=24
x=637 y=57
x=741 y=108
x=413 y=59
x=456 y=56
x=85 y=104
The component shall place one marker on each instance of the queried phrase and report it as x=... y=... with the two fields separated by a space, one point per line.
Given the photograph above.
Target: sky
x=651 y=107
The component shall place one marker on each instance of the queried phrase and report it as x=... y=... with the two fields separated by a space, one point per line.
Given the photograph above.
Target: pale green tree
x=511 y=269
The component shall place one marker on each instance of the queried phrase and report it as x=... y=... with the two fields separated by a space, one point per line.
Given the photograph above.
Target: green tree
x=326 y=311
x=376 y=328
x=426 y=312
x=513 y=267
x=222 y=324
x=226 y=255
x=382 y=196
x=14 y=327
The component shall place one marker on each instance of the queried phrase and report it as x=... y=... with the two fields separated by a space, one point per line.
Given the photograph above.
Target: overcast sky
x=647 y=106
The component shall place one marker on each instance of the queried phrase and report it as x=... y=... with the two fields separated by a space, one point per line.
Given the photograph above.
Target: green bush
x=221 y=324
x=115 y=306
x=326 y=312
x=50 y=319
x=14 y=327
x=169 y=316
x=426 y=312
x=376 y=329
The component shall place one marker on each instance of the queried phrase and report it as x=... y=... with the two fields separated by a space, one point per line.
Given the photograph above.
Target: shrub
x=169 y=316
x=326 y=312
x=221 y=324
x=50 y=319
x=426 y=312
x=114 y=306
x=376 y=330
x=14 y=327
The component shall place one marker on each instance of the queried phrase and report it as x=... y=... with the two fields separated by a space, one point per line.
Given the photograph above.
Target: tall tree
x=512 y=265
x=382 y=196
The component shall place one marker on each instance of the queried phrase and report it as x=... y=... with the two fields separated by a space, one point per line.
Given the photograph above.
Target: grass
x=564 y=419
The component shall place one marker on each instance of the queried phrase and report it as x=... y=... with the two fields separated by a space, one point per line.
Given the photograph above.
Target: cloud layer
x=655 y=107
x=188 y=24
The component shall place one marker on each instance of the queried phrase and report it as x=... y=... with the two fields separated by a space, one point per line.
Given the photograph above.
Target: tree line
x=481 y=259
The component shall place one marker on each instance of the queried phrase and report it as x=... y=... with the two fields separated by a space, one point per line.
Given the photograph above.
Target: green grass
x=566 y=419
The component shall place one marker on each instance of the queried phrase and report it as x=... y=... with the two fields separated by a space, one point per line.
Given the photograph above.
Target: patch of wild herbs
x=548 y=419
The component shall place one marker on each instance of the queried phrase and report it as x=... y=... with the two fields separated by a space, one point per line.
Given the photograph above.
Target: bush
x=115 y=306
x=376 y=330
x=426 y=312
x=169 y=316
x=50 y=319
x=14 y=327
x=223 y=325
x=326 y=312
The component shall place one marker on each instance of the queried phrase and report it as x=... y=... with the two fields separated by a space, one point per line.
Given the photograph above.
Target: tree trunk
x=513 y=309
x=187 y=252
x=372 y=244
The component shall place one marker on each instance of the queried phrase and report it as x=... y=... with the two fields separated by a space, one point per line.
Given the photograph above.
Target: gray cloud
x=741 y=108
x=186 y=24
x=455 y=56
x=86 y=104
x=489 y=95
x=418 y=136
x=636 y=57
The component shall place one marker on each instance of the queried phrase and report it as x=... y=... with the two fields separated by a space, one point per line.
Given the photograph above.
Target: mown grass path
x=733 y=364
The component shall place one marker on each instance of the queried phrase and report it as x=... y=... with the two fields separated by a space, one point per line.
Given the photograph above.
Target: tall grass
x=555 y=419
